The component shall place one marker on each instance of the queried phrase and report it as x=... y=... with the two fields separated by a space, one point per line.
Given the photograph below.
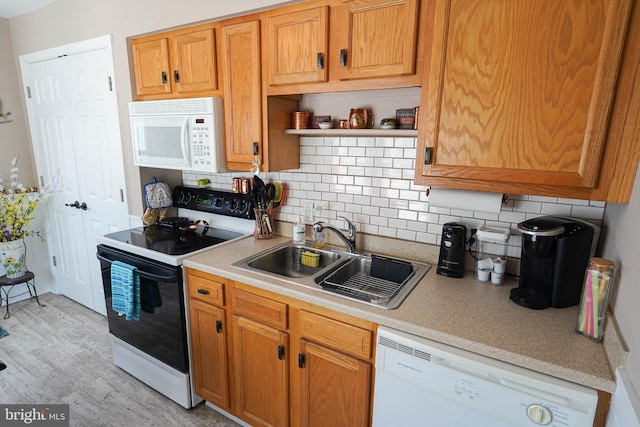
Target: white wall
x=14 y=140
x=622 y=245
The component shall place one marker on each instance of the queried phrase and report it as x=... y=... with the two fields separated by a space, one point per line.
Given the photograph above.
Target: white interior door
x=76 y=135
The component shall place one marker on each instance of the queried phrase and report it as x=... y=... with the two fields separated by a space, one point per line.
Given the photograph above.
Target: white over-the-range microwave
x=181 y=134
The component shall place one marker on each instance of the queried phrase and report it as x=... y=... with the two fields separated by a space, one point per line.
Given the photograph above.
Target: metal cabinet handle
x=176 y=76
x=343 y=57
x=300 y=360
x=219 y=326
x=427 y=155
x=320 y=61
x=280 y=352
x=164 y=77
x=203 y=291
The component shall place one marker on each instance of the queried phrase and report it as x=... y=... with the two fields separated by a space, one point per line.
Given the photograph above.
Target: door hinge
x=54 y=261
x=110 y=84
x=29 y=92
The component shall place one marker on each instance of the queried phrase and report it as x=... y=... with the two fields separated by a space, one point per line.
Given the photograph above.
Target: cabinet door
x=240 y=58
x=298 y=46
x=378 y=38
x=193 y=62
x=520 y=92
x=209 y=351
x=336 y=388
x=151 y=67
x=261 y=372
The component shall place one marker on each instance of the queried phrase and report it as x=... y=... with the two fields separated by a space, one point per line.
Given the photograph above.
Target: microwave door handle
x=185 y=141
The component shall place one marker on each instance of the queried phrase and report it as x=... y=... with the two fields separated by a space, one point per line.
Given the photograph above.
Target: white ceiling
x=12 y=8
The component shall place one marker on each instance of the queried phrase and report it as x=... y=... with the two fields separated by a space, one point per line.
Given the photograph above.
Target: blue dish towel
x=125 y=290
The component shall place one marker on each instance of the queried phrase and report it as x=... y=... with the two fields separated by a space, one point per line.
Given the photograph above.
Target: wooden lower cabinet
x=208 y=343
x=335 y=387
x=261 y=372
x=279 y=361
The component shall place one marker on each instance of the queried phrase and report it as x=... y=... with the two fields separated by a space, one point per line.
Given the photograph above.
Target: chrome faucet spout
x=349 y=240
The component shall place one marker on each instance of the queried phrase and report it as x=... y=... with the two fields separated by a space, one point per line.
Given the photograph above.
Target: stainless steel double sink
x=336 y=271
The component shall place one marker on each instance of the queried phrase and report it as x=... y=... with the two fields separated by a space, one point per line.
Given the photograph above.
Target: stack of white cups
x=491 y=268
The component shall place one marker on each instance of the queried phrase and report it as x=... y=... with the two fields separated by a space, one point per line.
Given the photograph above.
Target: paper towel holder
x=505 y=198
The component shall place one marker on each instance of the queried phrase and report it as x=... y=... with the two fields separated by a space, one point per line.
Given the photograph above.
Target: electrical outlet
x=307 y=211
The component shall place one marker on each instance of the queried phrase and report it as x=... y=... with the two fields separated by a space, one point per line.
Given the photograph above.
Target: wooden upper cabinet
x=298 y=47
x=520 y=92
x=378 y=38
x=240 y=67
x=176 y=63
x=151 y=65
x=193 y=61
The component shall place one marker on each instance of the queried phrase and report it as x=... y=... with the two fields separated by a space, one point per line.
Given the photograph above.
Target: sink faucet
x=349 y=240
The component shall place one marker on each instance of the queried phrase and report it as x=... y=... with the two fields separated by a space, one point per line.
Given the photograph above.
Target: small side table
x=10 y=283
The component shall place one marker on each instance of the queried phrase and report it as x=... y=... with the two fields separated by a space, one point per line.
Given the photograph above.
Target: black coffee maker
x=555 y=254
x=451 y=261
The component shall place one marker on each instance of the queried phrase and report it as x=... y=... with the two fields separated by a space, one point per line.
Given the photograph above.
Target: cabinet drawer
x=338 y=335
x=261 y=309
x=206 y=290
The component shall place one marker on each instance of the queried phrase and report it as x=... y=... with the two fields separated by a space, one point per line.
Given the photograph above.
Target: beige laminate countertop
x=460 y=312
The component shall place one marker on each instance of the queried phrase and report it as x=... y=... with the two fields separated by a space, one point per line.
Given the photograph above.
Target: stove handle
x=146 y=275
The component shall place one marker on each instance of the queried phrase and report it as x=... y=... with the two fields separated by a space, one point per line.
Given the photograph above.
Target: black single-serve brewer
x=555 y=254
x=451 y=260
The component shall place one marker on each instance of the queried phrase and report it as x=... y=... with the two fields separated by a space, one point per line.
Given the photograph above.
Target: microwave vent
x=172 y=106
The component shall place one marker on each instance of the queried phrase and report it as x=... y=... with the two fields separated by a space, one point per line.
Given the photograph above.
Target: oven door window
x=161 y=331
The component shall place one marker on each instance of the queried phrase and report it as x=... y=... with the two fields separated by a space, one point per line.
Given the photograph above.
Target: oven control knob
x=539 y=414
x=218 y=203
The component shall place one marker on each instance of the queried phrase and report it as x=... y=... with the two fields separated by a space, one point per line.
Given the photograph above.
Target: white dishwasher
x=423 y=383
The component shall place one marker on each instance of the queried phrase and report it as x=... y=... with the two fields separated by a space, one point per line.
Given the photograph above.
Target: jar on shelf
x=596 y=294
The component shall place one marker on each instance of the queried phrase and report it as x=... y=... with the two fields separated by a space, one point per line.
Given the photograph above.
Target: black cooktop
x=173 y=242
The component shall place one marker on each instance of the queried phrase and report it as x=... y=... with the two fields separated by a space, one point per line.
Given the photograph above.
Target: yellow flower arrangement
x=16 y=207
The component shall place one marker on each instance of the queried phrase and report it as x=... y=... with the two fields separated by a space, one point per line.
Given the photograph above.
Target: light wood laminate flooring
x=61 y=353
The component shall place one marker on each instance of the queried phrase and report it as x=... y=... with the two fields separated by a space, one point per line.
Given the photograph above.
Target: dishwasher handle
x=142 y=273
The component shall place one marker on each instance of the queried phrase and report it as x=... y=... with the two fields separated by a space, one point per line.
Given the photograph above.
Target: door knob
x=77 y=205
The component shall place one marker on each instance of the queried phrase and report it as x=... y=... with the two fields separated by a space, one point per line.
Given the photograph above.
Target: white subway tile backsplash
x=370 y=180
